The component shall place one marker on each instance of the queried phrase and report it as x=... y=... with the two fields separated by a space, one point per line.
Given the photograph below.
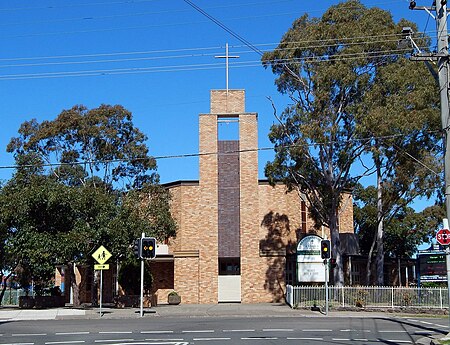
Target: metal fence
x=367 y=297
x=11 y=296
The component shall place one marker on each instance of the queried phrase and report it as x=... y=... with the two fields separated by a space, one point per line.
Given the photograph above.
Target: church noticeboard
x=310 y=267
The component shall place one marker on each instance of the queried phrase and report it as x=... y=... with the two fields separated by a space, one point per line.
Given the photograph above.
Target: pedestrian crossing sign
x=101 y=255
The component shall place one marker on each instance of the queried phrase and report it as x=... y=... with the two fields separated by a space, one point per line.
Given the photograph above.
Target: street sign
x=443 y=237
x=101 y=255
x=101 y=267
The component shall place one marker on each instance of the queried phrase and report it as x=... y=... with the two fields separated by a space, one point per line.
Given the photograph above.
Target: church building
x=237 y=235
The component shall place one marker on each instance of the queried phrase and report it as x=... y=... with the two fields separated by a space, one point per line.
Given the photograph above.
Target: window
x=229 y=266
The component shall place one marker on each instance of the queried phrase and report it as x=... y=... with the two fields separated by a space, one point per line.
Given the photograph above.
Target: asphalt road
x=223 y=330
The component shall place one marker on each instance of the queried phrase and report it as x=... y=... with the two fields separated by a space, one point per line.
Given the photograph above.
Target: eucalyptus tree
x=75 y=181
x=328 y=66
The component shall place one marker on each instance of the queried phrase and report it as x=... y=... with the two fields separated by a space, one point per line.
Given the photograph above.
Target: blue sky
x=154 y=57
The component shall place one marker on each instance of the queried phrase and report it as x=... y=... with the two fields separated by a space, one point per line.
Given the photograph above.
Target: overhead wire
x=189 y=67
x=199 y=154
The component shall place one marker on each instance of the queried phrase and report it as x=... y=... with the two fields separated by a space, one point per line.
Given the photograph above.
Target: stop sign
x=443 y=237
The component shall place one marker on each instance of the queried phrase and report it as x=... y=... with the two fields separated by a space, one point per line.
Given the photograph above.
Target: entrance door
x=229 y=280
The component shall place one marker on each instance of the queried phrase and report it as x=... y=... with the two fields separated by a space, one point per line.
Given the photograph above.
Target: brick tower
x=228 y=202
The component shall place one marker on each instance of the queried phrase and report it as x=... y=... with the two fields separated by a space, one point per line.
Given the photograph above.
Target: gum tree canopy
x=329 y=66
x=82 y=180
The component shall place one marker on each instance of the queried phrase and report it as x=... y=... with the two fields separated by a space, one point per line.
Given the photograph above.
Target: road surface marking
x=116 y=332
x=155 y=332
x=361 y=339
x=201 y=331
x=19 y=344
x=317 y=330
x=210 y=339
x=356 y=330
x=441 y=325
x=65 y=342
x=28 y=335
x=304 y=338
x=71 y=333
x=388 y=331
x=278 y=330
x=152 y=339
x=111 y=340
x=260 y=338
x=341 y=339
x=427 y=323
x=399 y=341
x=423 y=332
x=238 y=330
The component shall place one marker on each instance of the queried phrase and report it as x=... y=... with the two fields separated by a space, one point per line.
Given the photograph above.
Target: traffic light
x=325 y=249
x=148 y=248
x=333 y=263
x=137 y=248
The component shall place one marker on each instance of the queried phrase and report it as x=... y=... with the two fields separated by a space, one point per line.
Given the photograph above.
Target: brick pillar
x=252 y=268
x=208 y=206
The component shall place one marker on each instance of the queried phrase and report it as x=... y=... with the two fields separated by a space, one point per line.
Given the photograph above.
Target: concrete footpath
x=190 y=311
x=182 y=310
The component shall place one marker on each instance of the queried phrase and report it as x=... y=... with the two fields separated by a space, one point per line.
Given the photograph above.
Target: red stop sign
x=443 y=237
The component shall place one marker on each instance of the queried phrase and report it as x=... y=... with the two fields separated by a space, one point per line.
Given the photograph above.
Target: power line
x=198 y=154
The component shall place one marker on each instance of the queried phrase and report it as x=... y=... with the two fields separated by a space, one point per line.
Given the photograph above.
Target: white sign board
x=310 y=267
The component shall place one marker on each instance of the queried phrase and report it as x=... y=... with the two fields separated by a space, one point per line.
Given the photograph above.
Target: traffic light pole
x=326 y=286
x=142 y=284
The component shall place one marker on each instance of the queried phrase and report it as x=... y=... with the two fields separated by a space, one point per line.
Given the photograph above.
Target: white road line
x=399 y=341
x=111 y=340
x=441 y=325
x=412 y=320
x=155 y=332
x=427 y=323
x=115 y=332
x=361 y=339
x=392 y=331
x=19 y=344
x=238 y=330
x=28 y=335
x=65 y=342
x=210 y=339
x=356 y=330
x=71 y=333
x=423 y=332
x=260 y=338
x=305 y=338
x=278 y=330
x=317 y=330
x=341 y=339
x=168 y=339
x=201 y=331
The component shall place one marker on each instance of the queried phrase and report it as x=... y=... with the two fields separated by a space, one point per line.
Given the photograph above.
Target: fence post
x=440 y=297
x=343 y=299
x=392 y=291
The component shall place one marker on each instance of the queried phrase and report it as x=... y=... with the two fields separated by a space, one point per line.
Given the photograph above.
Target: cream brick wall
x=252 y=273
x=231 y=102
x=208 y=205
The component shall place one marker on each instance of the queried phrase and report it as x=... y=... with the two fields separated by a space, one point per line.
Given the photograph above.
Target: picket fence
x=367 y=297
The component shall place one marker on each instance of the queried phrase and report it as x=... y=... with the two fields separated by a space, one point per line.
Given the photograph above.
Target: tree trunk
x=380 y=229
x=75 y=289
x=5 y=279
x=338 y=272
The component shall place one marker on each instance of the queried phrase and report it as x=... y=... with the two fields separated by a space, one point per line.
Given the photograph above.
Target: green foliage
x=405 y=229
x=90 y=142
x=104 y=193
x=351 y=86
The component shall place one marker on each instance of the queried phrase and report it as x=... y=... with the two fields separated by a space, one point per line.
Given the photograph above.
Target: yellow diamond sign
x=101 y=255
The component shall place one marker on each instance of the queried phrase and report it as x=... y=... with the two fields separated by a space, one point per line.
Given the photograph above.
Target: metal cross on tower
x=226 y=57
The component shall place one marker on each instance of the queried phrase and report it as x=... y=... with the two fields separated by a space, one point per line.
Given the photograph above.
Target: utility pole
x=442 y=57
